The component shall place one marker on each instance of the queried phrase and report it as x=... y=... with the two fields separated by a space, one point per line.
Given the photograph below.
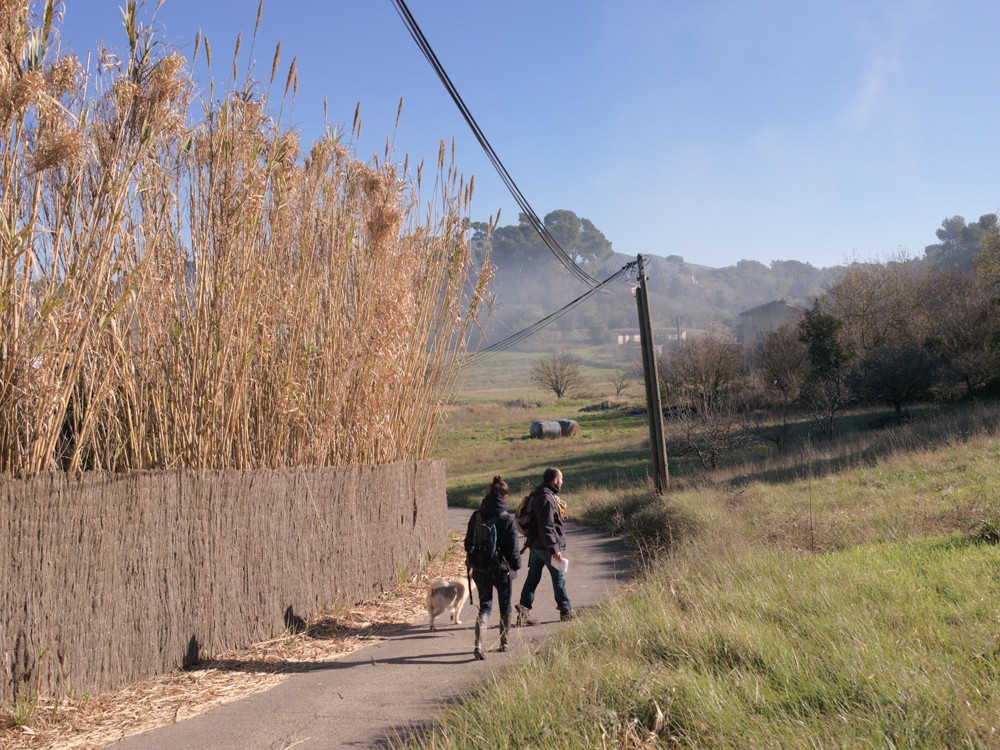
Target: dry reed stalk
x=194 y=293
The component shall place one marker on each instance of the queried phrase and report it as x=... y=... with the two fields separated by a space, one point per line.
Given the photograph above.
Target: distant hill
x=702 y=295
x=531 y=284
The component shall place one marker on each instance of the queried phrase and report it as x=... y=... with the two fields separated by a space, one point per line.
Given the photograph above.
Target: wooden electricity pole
x=654 y=405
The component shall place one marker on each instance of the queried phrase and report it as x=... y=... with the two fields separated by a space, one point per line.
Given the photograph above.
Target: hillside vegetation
x=685 y=294
x=845 y=592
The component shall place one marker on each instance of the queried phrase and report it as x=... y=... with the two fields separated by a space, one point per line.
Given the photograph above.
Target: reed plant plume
x=202 y=291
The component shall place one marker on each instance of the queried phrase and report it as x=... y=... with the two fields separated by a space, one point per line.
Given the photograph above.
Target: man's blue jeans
x=538 y=560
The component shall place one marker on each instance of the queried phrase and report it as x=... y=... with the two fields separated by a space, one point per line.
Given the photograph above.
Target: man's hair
x=551 y=475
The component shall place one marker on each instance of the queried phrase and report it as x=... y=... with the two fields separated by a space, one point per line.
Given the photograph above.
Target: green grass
x=24 y=709
x=482 y=440
x=882 y=646
x=503 y=377
x=845 y=594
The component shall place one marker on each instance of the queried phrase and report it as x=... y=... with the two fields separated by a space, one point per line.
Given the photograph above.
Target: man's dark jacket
x=494 y=509
x=550 y=524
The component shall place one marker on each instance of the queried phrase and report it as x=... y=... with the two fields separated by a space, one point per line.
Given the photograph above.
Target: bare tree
x=896 y=373
x=826 y=391
x=710 y=429
x=962 y=333
x=781 y=361
x=915 y=330
x=876 y=303
x=620 y=380
x=558 y=372
x=702 y=370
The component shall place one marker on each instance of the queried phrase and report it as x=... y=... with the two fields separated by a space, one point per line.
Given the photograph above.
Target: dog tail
x=468 y=574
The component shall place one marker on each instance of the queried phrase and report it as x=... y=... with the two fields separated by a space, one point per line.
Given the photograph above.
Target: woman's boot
x=477 y=651
x=504 y=630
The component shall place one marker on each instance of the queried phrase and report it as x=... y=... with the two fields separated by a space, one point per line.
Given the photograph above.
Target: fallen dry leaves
x=96 y=721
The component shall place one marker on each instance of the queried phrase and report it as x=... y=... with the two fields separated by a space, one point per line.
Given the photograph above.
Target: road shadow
x=402 y=735
x=359 y=657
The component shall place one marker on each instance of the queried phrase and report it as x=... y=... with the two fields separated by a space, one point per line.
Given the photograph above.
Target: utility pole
x=654 y=408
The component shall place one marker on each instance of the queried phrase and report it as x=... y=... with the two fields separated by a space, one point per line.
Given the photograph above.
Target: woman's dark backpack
x=484 y=555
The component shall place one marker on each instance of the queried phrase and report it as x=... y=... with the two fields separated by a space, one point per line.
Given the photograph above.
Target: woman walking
x=492 y=558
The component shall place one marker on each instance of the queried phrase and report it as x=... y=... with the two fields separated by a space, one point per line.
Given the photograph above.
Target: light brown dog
x=445 y=595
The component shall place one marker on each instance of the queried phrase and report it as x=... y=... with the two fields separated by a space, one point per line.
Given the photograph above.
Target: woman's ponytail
x=499 y=487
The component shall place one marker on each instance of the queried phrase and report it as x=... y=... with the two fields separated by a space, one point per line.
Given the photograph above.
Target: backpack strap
x=531 y=509
x=468 y=567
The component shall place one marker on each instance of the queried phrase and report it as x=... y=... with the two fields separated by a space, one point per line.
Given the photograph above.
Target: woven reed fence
x=108 y=579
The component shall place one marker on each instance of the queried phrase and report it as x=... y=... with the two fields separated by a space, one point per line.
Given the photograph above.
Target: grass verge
x=844 y=594
x=749 y=646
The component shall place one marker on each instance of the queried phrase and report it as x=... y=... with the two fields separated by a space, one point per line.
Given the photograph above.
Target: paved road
x=393 y=687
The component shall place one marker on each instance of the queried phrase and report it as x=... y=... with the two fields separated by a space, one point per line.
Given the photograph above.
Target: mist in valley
x=685 y=296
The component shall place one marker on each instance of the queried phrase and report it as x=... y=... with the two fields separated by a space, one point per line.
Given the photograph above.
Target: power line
x=534 y=328
x=554 y=247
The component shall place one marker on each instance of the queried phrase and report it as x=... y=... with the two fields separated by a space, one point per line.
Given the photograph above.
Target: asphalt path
x=395 y=687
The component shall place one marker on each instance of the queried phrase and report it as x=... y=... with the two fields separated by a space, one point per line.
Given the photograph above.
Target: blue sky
x=712 y=129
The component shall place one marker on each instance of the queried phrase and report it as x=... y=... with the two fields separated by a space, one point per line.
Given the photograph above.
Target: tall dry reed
x=195 y=291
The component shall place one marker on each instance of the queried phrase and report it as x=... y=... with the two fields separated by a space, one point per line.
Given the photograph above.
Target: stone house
x=766 y=318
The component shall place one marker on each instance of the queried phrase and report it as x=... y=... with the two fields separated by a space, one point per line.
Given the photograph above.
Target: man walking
x=546 y=547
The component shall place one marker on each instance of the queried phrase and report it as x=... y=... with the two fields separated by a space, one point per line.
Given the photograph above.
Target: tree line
x=530 y=283
x=879 y=333
x=893 y=333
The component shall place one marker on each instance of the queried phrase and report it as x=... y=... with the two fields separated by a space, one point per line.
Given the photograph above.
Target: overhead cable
x=554 y=247
x=534 y=328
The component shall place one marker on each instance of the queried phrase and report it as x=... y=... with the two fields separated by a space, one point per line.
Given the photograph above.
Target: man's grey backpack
x=525 y=519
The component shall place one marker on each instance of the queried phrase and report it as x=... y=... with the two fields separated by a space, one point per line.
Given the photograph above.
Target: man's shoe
x=524 y=617
x=569 y=614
